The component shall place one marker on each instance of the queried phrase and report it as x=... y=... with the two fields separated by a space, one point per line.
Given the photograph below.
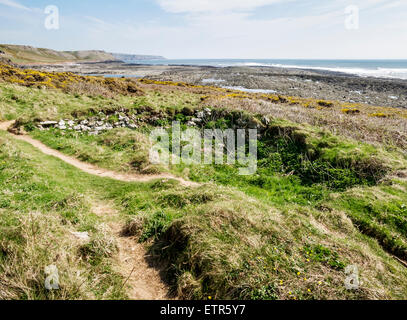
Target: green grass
x=119 y=149
x=39 y=210
x=317 y=204
x=23 y=54
x=28 y=104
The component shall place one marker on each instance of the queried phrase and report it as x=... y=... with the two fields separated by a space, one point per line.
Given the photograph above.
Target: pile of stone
x=193 y=118
x=200 y=117
x=93 y=125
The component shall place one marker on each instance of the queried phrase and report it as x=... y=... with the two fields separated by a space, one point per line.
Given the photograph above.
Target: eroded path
x=143 y=281
x=92 y=169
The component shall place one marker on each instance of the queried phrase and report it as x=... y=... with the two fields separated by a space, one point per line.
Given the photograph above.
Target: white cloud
x=197 y=6
x=99 y=25
x=14 y=4
x=95 y=20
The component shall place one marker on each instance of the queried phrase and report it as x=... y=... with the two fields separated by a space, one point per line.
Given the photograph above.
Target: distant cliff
x=28 y=54
x=31 y=55
x=135 y=57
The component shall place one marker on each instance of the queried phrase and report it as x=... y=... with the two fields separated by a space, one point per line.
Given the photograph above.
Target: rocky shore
x=291 y=82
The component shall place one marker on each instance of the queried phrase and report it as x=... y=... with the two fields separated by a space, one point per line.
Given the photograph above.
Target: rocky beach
x=317 y=84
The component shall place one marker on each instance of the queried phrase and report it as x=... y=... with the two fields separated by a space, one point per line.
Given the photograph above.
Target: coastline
x=306 y=83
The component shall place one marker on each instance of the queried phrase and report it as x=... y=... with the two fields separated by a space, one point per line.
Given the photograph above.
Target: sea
x=364 y=68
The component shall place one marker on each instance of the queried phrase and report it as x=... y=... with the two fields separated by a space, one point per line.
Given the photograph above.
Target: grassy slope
x=25 y=54
x=39 y=209
x=274 y=237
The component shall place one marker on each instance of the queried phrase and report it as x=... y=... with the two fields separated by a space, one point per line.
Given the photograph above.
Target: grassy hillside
x=27 y=55
x=325 y=195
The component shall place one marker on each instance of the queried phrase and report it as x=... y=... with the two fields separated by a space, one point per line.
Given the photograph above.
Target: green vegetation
x=27 y=54
x=318 y=203
x=38 y=211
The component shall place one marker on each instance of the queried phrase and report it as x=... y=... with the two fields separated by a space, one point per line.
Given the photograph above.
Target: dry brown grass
x=371 y=124
x=390 y=131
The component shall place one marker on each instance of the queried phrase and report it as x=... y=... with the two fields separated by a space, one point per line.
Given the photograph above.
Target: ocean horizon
x=365 y=68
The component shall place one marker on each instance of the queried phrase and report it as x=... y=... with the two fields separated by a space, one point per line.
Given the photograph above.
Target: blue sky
x=213 y=28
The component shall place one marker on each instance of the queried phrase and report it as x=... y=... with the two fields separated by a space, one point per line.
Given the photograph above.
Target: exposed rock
x=47 y=124
x=265 y=120
x=196 y=120
x=84 y=236
x=200 y=115
x=104 y=122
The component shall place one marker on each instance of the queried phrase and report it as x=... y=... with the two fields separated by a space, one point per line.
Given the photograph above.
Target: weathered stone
x=84 y=236
x=48 y=123
x=200 y=114
x=265 y=120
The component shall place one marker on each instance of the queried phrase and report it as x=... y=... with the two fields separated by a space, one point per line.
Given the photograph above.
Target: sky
x=214 y=29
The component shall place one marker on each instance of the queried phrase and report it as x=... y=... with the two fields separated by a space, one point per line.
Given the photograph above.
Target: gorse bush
x=69 y=82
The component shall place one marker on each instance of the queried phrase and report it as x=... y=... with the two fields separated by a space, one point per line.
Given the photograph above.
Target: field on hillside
x=329 y=192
